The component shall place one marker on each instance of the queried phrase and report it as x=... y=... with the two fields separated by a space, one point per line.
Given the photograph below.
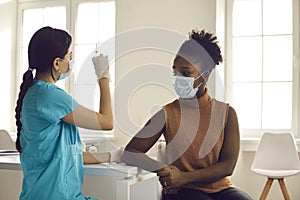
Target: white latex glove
x=101 y=66
x=106 y=74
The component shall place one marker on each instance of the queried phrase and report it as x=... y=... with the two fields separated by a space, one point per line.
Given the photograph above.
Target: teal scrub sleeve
x=55 y=104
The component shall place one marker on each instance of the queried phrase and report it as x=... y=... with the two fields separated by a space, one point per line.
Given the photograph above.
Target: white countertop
x=12 y=162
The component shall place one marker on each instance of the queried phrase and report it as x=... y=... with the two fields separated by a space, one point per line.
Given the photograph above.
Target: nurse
x=46 y=117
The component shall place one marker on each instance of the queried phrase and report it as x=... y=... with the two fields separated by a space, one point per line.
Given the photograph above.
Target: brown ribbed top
x=194 y=136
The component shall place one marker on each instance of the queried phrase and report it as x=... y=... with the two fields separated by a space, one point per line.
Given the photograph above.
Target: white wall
x=8 y=13
x=10 y=181
x=181 y=16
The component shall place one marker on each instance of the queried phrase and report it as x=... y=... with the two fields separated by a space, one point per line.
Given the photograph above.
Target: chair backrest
x=6 y=141
x=276 y=151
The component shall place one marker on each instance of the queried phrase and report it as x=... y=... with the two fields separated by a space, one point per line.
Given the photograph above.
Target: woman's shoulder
x=229 y=107
x=219 y=101
x=48 y=91
x=42 y=85
x=171 y=105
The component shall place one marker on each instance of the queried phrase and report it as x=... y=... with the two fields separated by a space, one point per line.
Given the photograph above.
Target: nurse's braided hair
x=45 y=45
x=209 y=42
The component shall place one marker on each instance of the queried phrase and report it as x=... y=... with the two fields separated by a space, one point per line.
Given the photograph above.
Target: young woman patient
x=201 y=133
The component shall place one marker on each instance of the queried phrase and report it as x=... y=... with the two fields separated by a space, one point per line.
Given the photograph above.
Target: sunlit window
x=5 y=76
x=261 y=71
x=91 y=23
x=34 y=19
x=95 y=26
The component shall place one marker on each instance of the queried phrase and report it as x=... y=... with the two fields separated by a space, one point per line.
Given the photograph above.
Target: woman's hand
x=101 y=66
x=171 y=179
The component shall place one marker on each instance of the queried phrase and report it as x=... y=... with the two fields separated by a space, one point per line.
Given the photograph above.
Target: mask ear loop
x=203 y=74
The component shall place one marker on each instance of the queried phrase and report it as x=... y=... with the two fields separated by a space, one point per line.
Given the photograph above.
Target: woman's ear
x=56 y=63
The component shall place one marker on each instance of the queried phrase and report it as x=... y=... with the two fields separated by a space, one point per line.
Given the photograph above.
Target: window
x=5 y=76
x=95 y=26
x=54 y=16
x=261 y=73
x=89 y=36
x=90 y=22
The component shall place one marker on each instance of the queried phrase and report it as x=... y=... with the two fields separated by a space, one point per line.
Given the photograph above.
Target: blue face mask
x=65 y=75
x=184 y=86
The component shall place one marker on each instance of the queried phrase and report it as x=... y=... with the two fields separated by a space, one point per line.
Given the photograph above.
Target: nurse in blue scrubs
x=47 y=119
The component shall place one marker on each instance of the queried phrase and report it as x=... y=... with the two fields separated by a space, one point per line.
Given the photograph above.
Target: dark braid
x=27 y=82
x=209 y=42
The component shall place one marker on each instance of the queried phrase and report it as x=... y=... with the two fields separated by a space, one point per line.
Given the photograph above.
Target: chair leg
x=283 y=189
x=266 y=190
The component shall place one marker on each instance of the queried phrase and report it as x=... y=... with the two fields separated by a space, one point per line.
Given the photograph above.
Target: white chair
x=6 y=142
x=276 y=158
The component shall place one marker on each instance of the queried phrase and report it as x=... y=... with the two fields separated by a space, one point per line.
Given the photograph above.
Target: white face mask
x=65 y=75
x=184 y=86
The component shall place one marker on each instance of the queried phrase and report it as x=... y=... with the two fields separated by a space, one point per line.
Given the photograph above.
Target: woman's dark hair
x=209 y=42
x=45 y=45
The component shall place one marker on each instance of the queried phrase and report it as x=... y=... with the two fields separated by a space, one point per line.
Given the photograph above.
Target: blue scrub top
x=51 y=155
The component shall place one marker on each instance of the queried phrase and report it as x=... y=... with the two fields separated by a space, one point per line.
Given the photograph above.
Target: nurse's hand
x=101 y=66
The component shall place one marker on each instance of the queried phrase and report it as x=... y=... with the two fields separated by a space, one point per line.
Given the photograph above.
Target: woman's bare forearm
x=105 y=107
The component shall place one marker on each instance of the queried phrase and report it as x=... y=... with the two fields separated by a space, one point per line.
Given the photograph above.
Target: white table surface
x=12 y=162
x=127 y=178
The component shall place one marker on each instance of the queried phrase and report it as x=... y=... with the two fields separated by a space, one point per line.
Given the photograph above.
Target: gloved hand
x=101 y=66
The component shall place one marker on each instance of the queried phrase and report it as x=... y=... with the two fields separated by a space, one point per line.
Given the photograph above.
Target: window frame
x=71 y=17
x=89 y=135
x=74 y=9
x=24 y=5
x=225 y=11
